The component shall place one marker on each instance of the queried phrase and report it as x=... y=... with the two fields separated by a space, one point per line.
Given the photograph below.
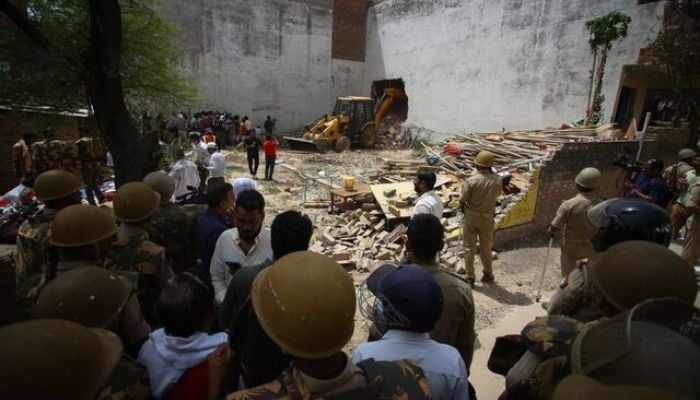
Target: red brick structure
x=349 y=29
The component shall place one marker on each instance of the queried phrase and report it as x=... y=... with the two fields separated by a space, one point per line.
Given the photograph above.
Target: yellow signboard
x=523 y=211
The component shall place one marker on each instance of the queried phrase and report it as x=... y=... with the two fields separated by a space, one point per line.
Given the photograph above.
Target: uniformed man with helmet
x=572 y=217
x=479 y=195
x=305 y=302
x=97 y=298
x=133 y=255
x=55 y=359
x=57 y=189
x=614 y=281
x=173 y=225
x=680 y=178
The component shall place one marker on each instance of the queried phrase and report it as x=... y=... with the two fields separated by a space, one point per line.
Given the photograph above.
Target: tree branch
x=24 y=24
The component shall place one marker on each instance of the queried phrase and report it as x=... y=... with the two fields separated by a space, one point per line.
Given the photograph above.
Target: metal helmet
x=619 y=220
x=81 y=225
x=581 y=387
x=484 y=159
x=407 y=298
x=90 y=296
x=305 y=302
x=634 y=271
x=589 y=178
x=162 y=183
x=135 y=201
x=654 y=344
x=55 y=359
x=55 y=184
x=685 y=154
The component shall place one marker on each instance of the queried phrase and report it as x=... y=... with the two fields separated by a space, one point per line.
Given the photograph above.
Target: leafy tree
x=676 y=54
x=115 y=56
x=603 y=32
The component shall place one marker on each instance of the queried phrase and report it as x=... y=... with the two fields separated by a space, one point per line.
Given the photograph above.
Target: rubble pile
x=394 y=137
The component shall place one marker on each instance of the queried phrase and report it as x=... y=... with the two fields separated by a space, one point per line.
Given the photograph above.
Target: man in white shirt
x=246 y=245
x=185 y=174
x=200 y=155
x=408 y=301
x=217 y=165
x=429 y=201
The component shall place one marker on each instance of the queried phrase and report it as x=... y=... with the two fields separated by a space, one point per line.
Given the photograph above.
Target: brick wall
x=349 y=29
x=558 y=173
x=14 y=123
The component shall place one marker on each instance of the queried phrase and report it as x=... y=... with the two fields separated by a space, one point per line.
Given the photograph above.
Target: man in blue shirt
x=213 y=222
x=649 y=185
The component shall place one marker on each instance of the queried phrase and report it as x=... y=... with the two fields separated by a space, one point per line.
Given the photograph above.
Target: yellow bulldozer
x=353 y=120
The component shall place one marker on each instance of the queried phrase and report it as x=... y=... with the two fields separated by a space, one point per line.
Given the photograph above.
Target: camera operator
x=649 y=185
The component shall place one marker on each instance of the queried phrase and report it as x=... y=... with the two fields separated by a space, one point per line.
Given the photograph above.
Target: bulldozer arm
x=384 y=104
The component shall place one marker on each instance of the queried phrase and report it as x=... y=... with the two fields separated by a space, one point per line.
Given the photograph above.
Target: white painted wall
x=481 y=65
x=263 y=57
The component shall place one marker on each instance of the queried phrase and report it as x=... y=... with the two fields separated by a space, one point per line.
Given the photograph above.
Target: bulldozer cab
x=359 y=110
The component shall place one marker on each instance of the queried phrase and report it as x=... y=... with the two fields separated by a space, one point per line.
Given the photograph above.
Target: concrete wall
x=481 y=65
x=264 y=57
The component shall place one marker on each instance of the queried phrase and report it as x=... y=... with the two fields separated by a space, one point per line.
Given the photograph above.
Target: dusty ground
x=502 y=307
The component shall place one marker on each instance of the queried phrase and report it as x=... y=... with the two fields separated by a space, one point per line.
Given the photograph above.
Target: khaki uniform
x=142 y=262
x=691 y=246
x=173 y=228
x=580 y=299
x=572 y=216
x=32 y=256
x=131 y=327
x=456 y=324
x=680 y=179
x=129 y=381
x=479 y=203
x=366 y=380
x=55 y=154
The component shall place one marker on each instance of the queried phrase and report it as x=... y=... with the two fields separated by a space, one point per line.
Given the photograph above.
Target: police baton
x=544 y=270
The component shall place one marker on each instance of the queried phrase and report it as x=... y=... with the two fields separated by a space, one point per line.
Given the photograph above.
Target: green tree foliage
x=603 y=32
x=149 y=58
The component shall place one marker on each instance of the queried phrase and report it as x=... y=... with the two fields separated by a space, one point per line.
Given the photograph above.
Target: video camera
x=624 y=161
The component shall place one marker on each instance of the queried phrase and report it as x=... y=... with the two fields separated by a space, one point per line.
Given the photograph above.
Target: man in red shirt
x=270 y=146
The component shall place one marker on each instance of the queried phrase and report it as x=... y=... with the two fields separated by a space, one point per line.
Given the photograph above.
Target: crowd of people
x=125 y=302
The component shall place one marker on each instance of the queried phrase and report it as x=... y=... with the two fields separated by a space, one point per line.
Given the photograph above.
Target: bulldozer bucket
x=300 y=144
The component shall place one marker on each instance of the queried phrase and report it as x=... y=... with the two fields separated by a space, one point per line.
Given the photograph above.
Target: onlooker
x=256 y=358
x=200 y=156
x=216 y=167
x=57 y=189
x=248 y=125
x=691 y=247
x=410 y=303
x=572 y=216
x=680 y=177
x=305 y=302
x=242 y=184
x=649 y=185
x=213 y=222
x=456 y=324
x=209 y=136
x=182 y=346
x=481 y=190
x=246 y=245
x=132 y=254
x=55 y=359
x=269 y=125
x=92 y=162
x=252 y=148
x=270 y=145
x=185 y=174
x=22 y=155
x=428 y=202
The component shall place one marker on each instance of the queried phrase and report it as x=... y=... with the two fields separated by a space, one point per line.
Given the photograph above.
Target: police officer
x=57 y=189
x=305 y=302
x=479 y=195
x=55 y=359
x=572 y=216
x=173 y=225
x=680 y=178
x=132 y=254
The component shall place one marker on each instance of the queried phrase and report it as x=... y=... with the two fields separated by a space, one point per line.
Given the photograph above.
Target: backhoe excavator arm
x=385 y=102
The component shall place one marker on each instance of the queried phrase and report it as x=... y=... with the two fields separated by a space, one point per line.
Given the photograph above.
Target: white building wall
x=481 y=65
